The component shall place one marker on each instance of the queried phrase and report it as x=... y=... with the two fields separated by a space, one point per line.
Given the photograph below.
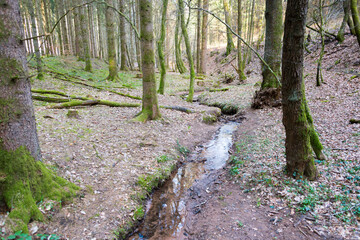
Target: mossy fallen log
x=354 y=121
x=92 y=102
x=178 y=108
x=66 y=77
x=50 y=99
x=219 y=89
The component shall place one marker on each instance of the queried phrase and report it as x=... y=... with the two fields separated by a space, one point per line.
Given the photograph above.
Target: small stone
x=83 y=212
x=34 y=229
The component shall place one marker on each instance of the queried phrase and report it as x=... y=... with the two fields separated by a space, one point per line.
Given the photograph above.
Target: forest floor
x=116 y=161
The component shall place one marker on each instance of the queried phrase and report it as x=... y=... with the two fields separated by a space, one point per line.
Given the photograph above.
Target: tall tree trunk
x=161 y=48
x=68 y=4
x=35 y=40
x=273 y=37
x=150 y=107
x=204 y=38
x=110 y=29
x=240 y=64
x=356 y=19
x=188 y=51
x=91 y=30
x=65 y=39
x=122 y=32
x=350 y=20
x=299 y=159
x=198 y=37
x=78 y=37
x=319 y=76
x=85 y=38
x=138 y=50
x=59 y=31
x=230 y=44
x=346 y=6
x=179 y=62
x=25 y=181
x=100 y=13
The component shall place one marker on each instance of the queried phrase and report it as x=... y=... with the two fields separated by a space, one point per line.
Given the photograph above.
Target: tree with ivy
x=24 y=179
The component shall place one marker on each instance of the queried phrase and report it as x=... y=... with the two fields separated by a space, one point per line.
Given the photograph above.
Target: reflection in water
x=165 y=218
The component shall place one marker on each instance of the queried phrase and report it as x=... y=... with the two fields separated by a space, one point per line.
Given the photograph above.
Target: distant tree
x=356 y=19
x=198 y=36
x=24 y=179
x=300 y=133
x=110 y=30
x=160 y=47
x=150 y=108
x=241 y=62
x=85 y=37
x=122 y=32
x=188 y=50
x=34 y=33
x=273 y=43
x=204 y=38
x=230 y=43
x=179 y=62
x=346 y=6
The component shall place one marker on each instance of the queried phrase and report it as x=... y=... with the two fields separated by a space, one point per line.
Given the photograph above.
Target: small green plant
x=239 y=224
x=48 y=236
x=182 y=149
x=18 y=235
x=139 y=213
x=163 y=158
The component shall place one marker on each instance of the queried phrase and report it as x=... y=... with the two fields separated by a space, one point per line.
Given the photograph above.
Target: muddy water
x=166 y=211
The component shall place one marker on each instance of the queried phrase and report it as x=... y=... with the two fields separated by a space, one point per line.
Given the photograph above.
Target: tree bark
x=230 y=43
x=299 y=159
x=65 y=39
x=356 y=19
x=150 y=107
x=273 y=46
x=110 y=29
x=204 y=38
x=160 y=48
x=188 y=51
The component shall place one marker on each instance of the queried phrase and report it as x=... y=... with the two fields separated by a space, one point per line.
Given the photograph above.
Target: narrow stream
x=166 y=211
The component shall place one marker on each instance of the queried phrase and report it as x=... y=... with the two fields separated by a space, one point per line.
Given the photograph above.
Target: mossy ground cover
x=24 y=183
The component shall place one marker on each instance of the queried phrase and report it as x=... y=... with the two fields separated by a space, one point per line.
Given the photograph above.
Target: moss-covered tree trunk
x=240 y=64
x=299 y=159
x=198 y=36
x=273 y=43
x=346 y=6
x=230 y=43
x=204 y=38
x=138 y=50
x=160 y=47
x=150 y=108
x=179 y=62
x=34 y=33
x=188 y=51
x=110 y=30
x=122 y=32
x=24 y=180
x=356 y=19
x=85 y=37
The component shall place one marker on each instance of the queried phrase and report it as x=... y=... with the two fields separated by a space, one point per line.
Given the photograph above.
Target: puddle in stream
x=166 y=211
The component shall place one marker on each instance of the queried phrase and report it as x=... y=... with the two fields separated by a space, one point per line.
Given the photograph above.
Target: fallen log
x=65 y=77
x=178 y=108
x=219 y=89
x=50 y=99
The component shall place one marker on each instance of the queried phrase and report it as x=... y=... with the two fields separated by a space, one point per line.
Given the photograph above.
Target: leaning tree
x=24 y=179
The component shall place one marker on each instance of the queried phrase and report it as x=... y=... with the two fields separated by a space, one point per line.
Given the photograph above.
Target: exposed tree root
x=270 y=97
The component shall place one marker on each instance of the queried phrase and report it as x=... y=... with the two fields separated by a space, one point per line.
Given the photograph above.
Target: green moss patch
x=24 y=182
